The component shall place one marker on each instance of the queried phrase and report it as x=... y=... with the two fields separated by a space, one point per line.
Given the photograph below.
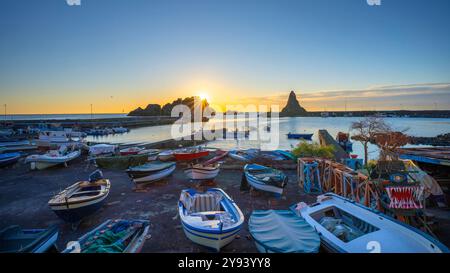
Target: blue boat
x=286 y=154
x=346 y=226
x=81 y=199
x=243 y=155
x=8 y=159
x=300 y=136
x=112 y=236
x=14 y=239
x=282 y=231
x=211 y=219
x=265 y=179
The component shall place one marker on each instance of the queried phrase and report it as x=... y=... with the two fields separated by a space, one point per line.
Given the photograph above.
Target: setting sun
x=204 y=96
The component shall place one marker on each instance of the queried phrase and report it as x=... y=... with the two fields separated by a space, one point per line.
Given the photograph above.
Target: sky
x=118 y=55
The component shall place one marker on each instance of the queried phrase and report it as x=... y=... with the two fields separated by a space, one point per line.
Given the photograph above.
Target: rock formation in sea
x=293 y=108
x=166 y=110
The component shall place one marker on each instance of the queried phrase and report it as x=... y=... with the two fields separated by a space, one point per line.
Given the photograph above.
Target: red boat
x=189 y=154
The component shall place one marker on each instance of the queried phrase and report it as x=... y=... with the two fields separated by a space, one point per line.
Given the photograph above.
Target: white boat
x=265 y=179
x=55 y=139
x=150 y=172
x=52 y=158
x=346 y=226
x=211 y=219
x=152 y=153
x=102 y=149
x=202 y=172
x=166 y=155
x=80 y=200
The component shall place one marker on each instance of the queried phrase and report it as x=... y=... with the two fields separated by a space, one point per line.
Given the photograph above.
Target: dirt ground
x=25 y=193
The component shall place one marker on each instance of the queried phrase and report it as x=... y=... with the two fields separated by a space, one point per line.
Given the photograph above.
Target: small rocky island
x=166 y=110
x=293 y=108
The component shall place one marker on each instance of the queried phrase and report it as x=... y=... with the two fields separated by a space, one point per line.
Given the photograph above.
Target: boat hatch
x=342 y=224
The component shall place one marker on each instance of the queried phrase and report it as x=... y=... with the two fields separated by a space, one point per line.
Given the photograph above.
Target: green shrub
x=305 y=149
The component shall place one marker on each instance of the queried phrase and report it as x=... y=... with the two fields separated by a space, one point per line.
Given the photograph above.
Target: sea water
x=425 y=127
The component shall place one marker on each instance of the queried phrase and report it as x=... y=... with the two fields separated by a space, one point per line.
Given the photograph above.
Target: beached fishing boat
x=52 y=158
x=166 y=155
x=288 y=155
x=102 y=149
x=14 y=239
x=112 y=236
x=121 y=161
x=299 y=136
x=150 y=172
x=346 y=226
x=202 y=171
x=211 y=219
x=8 y=159
x=219 y=155
x=18 y=148
x=343 y=139
x=81 y=199
x=282 y=231
x=13 y=143
x=131 y=151
x=243 y=155
x=189 y=154
x=265 y=178
x=151 y=153
x=55 y=139
x=120 y=130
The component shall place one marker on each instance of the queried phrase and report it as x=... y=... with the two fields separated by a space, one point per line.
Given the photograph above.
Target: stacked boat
x=151 y=171
x=188 y=154
x=52 y=158
x=265 y=179
x=81 y=199
x=244 y=155
x=210 y=218
x=112 y=236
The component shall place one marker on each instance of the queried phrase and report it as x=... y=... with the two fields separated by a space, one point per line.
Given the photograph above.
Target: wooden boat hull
x=375 y=232
x=28 y=240
x=190 y=156
x=260 y=184
x=136 y=241
x=9 y=159
x=155 y=176
x=198 y=173
x=76 y=212
x=214 y=238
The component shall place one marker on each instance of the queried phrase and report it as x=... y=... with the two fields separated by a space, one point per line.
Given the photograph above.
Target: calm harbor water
x=426 y=127
x=61 y=116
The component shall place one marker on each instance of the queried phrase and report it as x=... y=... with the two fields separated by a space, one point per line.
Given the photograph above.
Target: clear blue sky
x=123 y=54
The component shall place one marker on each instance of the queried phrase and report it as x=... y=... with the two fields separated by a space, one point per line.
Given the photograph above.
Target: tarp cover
x=282 y=231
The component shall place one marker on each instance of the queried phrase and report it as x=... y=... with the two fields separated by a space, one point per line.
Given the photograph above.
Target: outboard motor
x=95 y=176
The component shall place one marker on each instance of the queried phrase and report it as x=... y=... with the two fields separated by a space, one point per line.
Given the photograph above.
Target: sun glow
x=204 y=96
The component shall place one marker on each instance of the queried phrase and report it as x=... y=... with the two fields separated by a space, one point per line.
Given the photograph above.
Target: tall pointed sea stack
x=293 y=108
